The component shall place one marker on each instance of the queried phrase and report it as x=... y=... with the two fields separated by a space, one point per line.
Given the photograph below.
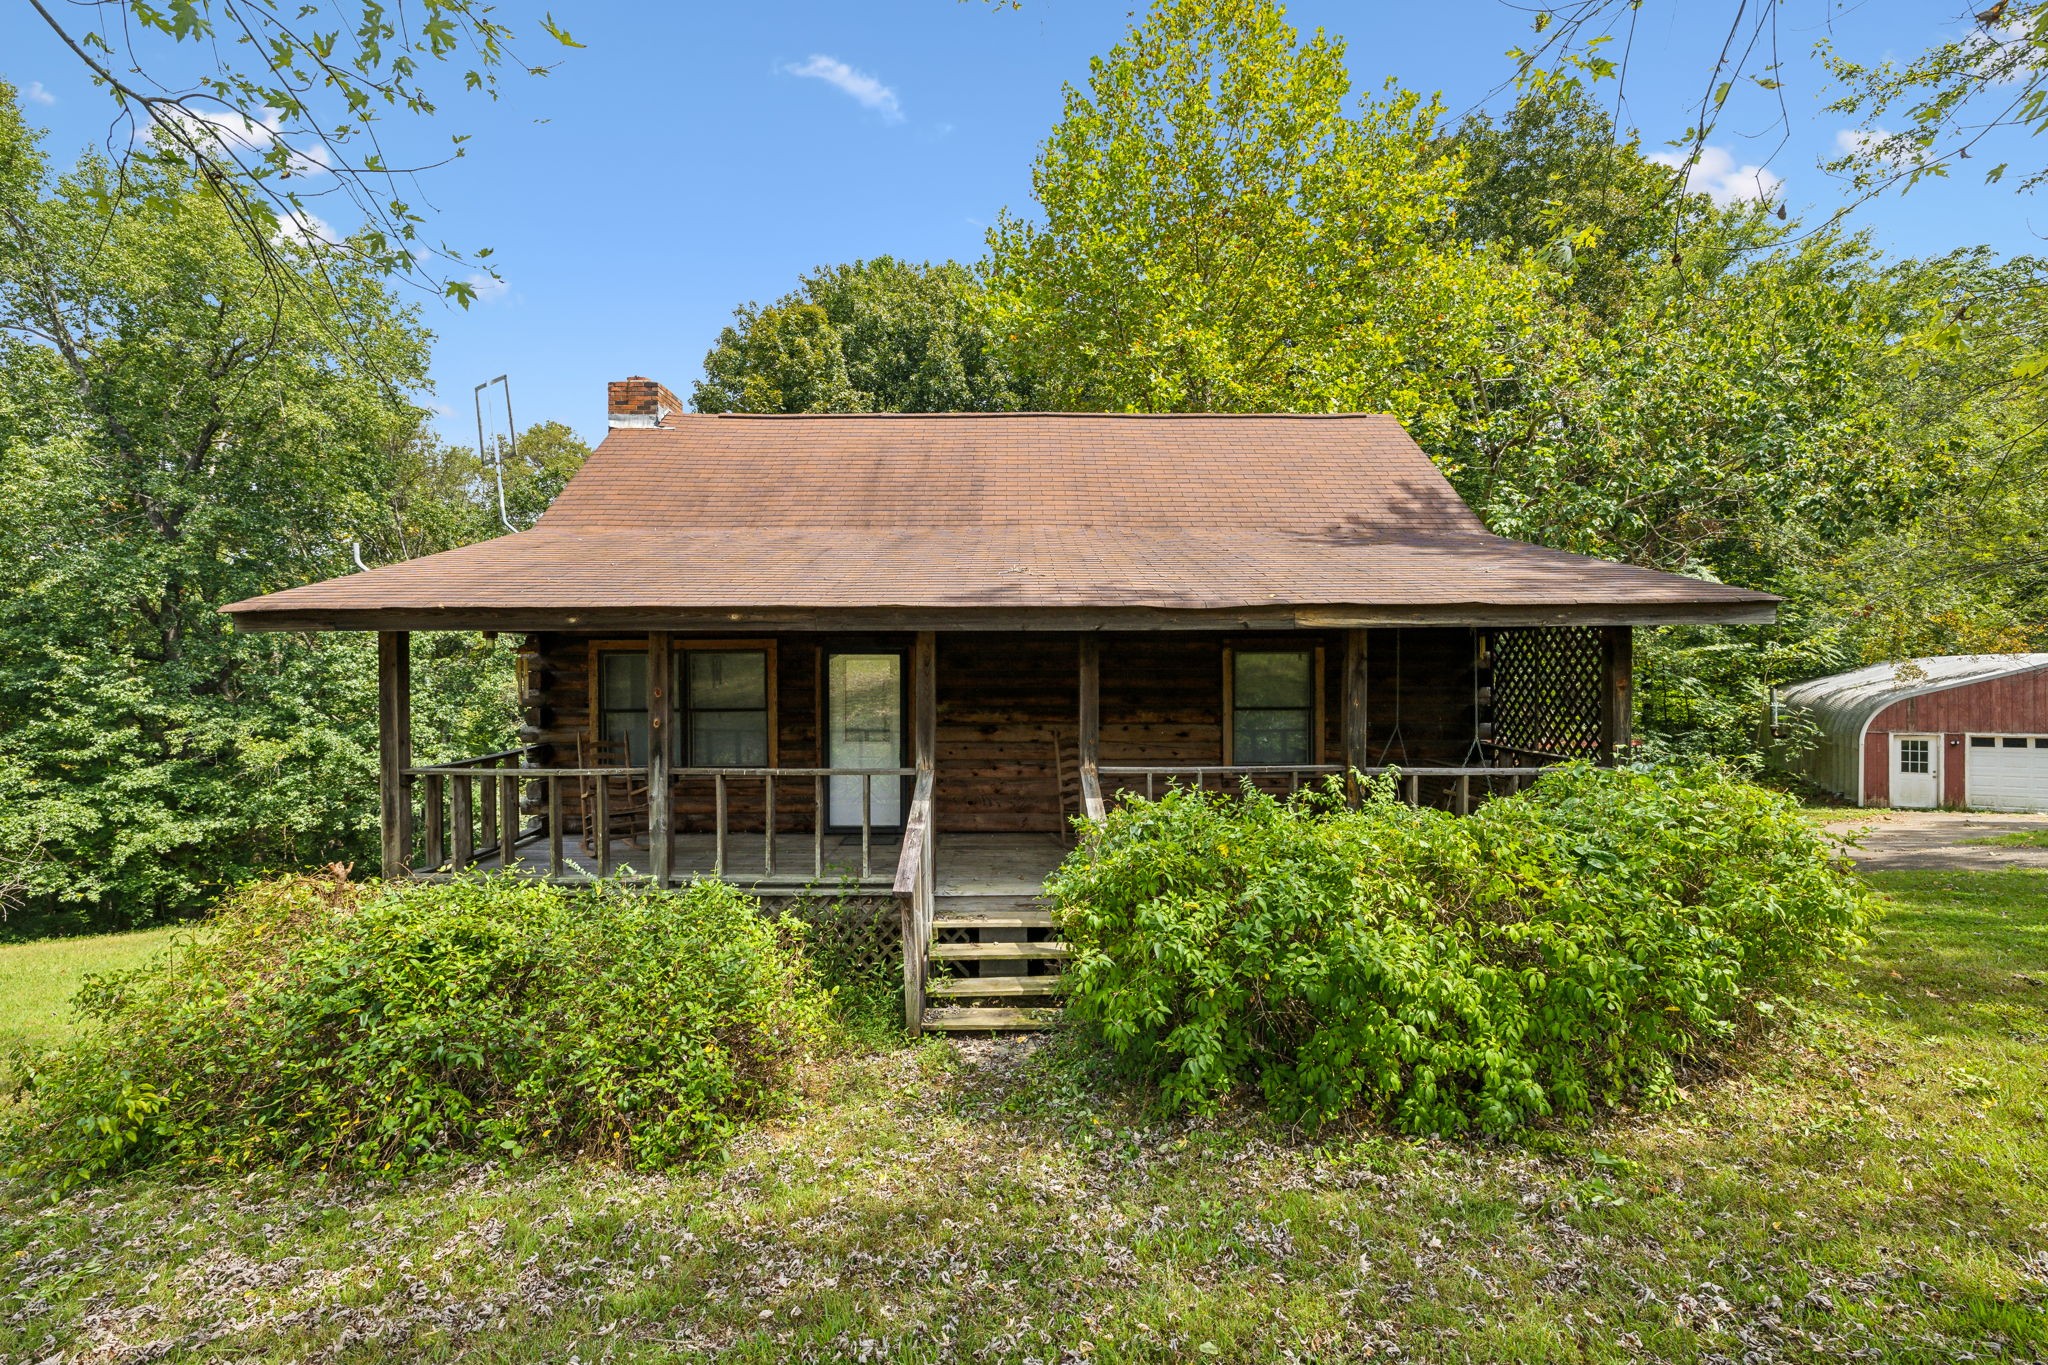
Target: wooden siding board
x=1877 y=761
x=1001 y=696
x=2017 y=704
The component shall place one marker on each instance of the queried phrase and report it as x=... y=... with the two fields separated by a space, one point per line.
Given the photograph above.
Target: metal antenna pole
x=497 y=463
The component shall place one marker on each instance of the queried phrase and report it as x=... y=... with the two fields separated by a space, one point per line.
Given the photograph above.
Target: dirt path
x=1938 y=839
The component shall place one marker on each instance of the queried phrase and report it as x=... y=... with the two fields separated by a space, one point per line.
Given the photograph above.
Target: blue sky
x=695 y=156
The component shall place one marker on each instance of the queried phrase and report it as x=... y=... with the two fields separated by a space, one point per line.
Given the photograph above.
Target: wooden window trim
x=1318 y=716
x=678 y=647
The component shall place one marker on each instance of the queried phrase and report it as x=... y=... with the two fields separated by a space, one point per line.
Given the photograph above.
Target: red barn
x=1955 y=730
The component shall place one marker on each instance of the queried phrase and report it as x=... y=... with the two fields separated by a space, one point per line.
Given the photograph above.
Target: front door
x=1916 y=771
x=864 y=729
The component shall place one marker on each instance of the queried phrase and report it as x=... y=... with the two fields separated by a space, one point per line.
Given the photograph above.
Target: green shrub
x=854 y=943
x=334 y=1025
x=1550 y=952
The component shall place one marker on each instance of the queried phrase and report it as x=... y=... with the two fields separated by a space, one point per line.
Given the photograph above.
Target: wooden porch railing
x=1120 y=778
x=722 y=780
x=453 y=795
x=1461 y=782
x=916 y=876
x=1199 y=775
x=470 y=812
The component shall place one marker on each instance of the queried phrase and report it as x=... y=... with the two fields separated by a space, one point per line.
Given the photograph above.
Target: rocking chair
x=625 y=795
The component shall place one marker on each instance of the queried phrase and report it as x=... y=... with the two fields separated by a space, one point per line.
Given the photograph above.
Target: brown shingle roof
x=1009 y=513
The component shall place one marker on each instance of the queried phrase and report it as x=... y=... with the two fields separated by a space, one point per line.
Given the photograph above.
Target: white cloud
x=35 y=93
x=1715 y=174
x=239 y=135
x=488 y=289
x=306 y=229
x=866 y=91
x=1880 y=143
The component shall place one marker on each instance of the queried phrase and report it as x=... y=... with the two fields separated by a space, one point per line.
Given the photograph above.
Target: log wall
x=1006 y=700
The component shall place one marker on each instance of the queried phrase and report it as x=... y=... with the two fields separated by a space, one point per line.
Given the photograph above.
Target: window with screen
x=723 y=697
x=622 y=702
x=1272 y=706
x=1913 y=756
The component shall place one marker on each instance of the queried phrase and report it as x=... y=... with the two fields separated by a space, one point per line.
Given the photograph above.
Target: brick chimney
x=639 y=402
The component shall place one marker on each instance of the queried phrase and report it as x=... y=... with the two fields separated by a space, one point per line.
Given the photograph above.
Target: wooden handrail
x=447 y=770
x=792 y=772
x=1410 y=778
x=481 y=760
x=916 y=875
x=1121 y=769
x=916 y=829
x=1330 y=769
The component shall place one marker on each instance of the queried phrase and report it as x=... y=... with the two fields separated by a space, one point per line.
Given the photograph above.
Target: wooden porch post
x=1617 y=693
x=924 y=700
x=660 y=747
x=1091 y=701
x=1357 y=744
x=394 y=749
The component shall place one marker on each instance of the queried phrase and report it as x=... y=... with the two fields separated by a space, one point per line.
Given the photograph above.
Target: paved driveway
x=1937 y=839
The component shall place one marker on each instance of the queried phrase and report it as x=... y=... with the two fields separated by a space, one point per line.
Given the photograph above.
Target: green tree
x=177 y=435
x=1966 y=569
x=1552 y=177
x=1222 y=229
x=879 y=335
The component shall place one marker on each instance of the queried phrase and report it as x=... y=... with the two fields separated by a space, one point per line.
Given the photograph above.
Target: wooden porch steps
x=988 y=987
x=993 y=964
x=980 y=952
x=1012 y=919
x=992 y=1019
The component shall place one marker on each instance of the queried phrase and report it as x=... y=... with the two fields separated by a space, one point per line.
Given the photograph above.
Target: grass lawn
x=38 y=979
x=2019 y=838
x=1872 y=1184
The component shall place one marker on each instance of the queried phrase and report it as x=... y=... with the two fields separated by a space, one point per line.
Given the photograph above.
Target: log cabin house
x=900 y=654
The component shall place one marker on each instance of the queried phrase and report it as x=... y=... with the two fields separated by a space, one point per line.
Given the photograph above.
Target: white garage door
x=2007 y=772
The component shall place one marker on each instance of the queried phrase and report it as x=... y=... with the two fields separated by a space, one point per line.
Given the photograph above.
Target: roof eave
x=1749 y=609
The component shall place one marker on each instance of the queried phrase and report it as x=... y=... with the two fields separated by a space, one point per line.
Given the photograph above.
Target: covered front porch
x=811 y=761
x=952 y=771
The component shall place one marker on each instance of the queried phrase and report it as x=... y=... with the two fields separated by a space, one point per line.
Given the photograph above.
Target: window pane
x=1271 y=737
x=625 y=681
x=735 y=678
x=1982 y=742
x=1272 y=679
x=729 y=739
x=631 y=726
x=2015 y=742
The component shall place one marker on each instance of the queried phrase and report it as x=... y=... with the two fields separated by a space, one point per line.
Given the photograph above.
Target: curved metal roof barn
x=1845 y=705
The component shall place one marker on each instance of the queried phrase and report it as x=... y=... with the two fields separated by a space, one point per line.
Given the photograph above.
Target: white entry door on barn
x=2007 y=772
x=1916 y=772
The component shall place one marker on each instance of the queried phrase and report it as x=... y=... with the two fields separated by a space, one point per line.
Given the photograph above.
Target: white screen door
x=864 y=729
x=1916 y=771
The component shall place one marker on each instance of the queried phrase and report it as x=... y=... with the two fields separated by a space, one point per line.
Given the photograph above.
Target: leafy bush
x=335 y=1025
x=1550 y=952
x=854 y=943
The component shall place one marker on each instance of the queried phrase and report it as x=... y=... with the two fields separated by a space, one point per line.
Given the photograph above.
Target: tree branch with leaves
x=278 y=108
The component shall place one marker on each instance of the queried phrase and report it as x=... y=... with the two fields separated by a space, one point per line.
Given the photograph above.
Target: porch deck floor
x=968 y=864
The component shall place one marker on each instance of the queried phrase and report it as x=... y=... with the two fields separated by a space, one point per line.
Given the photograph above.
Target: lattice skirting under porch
x=1547 y=690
